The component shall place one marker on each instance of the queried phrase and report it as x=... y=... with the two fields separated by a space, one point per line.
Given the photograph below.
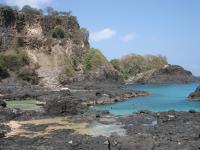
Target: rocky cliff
x=54 y=47
x=165 y=75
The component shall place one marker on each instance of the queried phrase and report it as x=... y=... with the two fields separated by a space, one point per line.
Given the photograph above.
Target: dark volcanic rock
x=17 y=89
x=155 y=131
x=65 y=106
x=166 y=130
x=138 y=142
x=3 y=74
x=3 y=104
x=3 y=130
x=195 y=95
x=8 y=114
x=168 y=74
x=61 y=102
x=59 y=140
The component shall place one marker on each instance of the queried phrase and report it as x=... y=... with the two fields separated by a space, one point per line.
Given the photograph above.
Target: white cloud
x=128 y=37
x=104 y=34
x=33 y=3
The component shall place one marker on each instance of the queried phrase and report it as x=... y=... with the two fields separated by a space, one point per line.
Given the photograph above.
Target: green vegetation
x=69 y=70
x=13 y=60
x=93 y=59
x=133 y=64
x=8 y=14
x=20 y=22
x=51 y=12
x=23 y=104
x=3 y=70
x=31 y=11
x=58 y=32
x=85 y=34
x=19 y=41
x=73 y=25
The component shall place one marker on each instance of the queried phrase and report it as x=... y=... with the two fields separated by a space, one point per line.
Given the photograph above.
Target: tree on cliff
x=31 y=11
x=133 y=64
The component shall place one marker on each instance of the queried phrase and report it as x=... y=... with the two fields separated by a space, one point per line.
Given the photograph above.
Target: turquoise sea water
x=163 y=98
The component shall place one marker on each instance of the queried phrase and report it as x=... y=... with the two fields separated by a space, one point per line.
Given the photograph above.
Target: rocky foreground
x=65 y=123
x=140 y=131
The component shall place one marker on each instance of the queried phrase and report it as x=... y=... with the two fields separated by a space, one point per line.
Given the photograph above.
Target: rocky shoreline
x=142 y=130
x=65 y=123
x=106 y=100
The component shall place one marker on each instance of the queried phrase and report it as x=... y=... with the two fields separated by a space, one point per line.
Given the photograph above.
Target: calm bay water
x=163 y=98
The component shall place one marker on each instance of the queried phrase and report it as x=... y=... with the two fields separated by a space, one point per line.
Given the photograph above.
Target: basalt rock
x=18 y=89
x=3 y=104
x=3 y=130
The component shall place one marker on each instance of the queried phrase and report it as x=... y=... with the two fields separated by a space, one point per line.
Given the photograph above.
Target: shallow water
x=23 y=104
x=163 y=98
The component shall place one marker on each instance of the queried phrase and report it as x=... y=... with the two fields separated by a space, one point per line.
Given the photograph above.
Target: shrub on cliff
x=134 y=64
x=8 y=15
x=20 y=22
x=14 y=59
x=58 y=32
x=69 y=70
x=73 y=25
x=115 y=63
x=31 y=11
x=93 y=59
x=3 y=70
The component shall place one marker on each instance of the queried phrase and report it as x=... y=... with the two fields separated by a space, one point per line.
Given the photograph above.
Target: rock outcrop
x=56 y=47
x=168 y=74
x=195 y=95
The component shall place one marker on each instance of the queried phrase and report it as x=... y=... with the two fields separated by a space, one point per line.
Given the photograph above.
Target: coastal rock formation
x=48 y=49
x=168 y=74
x=195 y=95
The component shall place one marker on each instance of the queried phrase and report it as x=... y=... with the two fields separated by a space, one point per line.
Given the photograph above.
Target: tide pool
x=163 y=98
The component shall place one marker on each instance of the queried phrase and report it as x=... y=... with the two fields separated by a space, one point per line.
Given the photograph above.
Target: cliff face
x=168 y=74
x=55 y=45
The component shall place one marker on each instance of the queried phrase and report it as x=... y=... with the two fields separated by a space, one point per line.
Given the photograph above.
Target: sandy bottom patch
x=94 y=129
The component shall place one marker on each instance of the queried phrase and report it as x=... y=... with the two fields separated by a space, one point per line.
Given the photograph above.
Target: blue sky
x=117 y=28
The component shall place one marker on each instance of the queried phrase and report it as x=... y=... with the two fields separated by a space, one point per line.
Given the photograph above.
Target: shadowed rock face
x=195 y=95
x=167 y=74
x=2 y=104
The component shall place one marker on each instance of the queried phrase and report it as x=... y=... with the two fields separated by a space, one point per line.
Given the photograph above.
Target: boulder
x=60 y=107
x=60 y=102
